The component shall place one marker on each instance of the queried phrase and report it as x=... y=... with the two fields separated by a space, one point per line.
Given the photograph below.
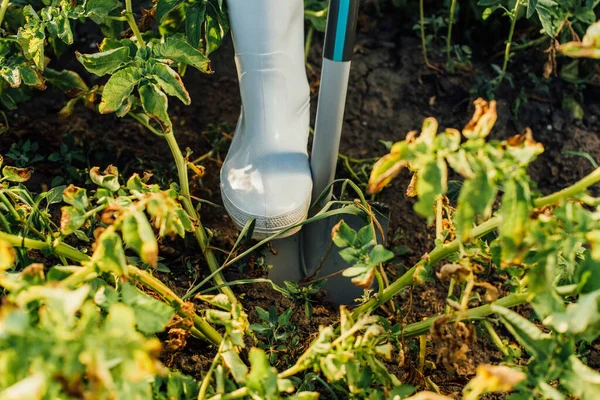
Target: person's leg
x=266 y=174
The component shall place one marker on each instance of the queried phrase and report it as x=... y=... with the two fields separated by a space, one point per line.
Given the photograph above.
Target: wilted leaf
x=342 y=235
x=108 y=180
x=492 y=379
x=14 y=174
x=388 y=167
x=170 y=82
x=109 y=255
x=71 y=219
x=138 y=234
x=156 y=104
x=105 y=62
x=75 y=196
x=118 y=88
x=483 y=120
x=455 y=271
x=7 y=255
x=151 y=315
x=181 y=51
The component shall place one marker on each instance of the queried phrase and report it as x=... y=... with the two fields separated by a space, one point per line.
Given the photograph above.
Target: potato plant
x=84 y=323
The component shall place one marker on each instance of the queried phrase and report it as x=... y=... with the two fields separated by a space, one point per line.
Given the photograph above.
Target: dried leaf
x=483 y=120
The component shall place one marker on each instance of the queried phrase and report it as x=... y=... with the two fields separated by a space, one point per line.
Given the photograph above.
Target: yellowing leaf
x=492 y=379
x=388 y=167
x=7 y=255
x=483 y=120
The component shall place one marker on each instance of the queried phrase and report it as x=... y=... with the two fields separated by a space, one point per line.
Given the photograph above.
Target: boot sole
x=267 y=226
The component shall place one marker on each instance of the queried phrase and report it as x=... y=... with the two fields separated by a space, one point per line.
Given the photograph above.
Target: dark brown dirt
x=390 y=93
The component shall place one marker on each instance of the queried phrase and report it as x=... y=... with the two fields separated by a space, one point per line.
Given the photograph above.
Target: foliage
x=84 y=324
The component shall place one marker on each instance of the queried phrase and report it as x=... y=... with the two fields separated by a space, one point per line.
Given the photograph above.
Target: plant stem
x=450 y=292
x=3 y=9
x=423 y=41
x=132 y=24
x=449 y=37
x=422 y=352
x=309 y=37
x=11 y=208
x=199 y=232
x=511 y=33
x=179 y=305
x=422 y=327
x=143 y=277
x=495 y=338
x=443 y=251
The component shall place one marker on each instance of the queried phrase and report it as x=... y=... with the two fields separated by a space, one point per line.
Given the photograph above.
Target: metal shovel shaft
x=339 y=45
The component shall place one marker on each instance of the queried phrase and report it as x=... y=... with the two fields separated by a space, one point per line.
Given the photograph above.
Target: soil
x=391 y=92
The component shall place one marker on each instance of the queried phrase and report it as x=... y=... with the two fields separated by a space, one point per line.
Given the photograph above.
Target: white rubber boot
x=266 y=174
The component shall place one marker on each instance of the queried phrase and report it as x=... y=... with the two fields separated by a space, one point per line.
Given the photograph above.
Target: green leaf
x=100 y=8
x=14 y=174
x=581 y=381
x=109 y=179
x=151 y=315
x=181 y=51
x=531 y=7
x=105 y=62
x=262 y=378
x=163 y=7
x=475 y=199
x=155 y=104
x=379 y=255
x=581 y=319
x=118 y=88
x=60 y=27
x=343 y=235
x=65 y=80
x=138 y=234
x=514 y=216
x=71 y=219
x=109 y=255
x=76 y=197
x=32 y=77
x=366 y=236
x=170 y=82
x=431 y=182
x=528 y=335
x=194 y=18
x=11 y=75
x=216 y=25
x=31 y=39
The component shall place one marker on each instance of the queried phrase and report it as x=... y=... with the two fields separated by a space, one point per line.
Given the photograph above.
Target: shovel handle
x=335 y=72
x=341 y=30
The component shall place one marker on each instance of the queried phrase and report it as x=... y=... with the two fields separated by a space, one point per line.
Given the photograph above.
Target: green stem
x=511 y=33
x=132 y=24
x=441 y=252
x=422 y=327
x=422 y=352
x=450 y=292
x=3 y=9
x=450 y=26
x=11 y=208
x=5 y=224
x=146 y=124
x=207 y=378
x=495 y=338
x=423 y=40
x=199 y=232
x=308 y=43
x=157 y=286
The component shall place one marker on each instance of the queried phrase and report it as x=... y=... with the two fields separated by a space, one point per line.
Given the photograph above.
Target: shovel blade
x=310 y=255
